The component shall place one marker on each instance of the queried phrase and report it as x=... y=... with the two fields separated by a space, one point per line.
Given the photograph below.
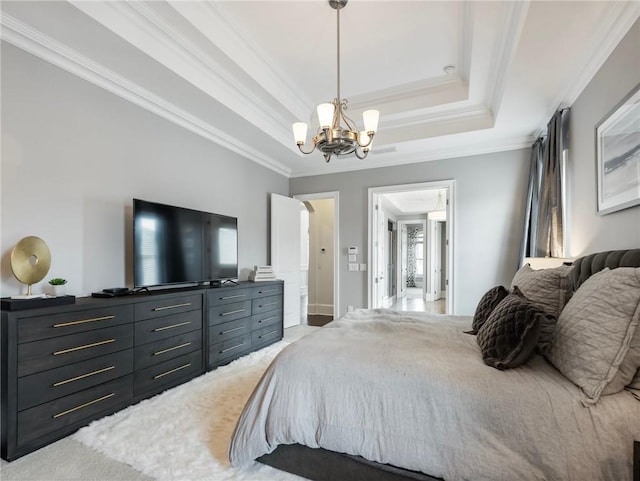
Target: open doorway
x=423 y=218
x=319 y=265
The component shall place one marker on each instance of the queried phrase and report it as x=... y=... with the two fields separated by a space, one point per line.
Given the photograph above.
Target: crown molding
x=435 y=153
x=416 y=95
x=614 y=26
x=141 y=26
x=466 y=42
x=44 y=47
x=226 y=34
x=504 y=50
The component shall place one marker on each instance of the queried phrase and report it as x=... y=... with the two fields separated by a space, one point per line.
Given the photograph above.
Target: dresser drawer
x=229 y=312
x=159 y=328
x=65 y=412
x=265 y=304
x=229 y=349
x=265 y=336
x=166 y=374
x=165 y=349
x=268 y=290
x=264 y=319
x=163 y=306
x=226 y=295
x=227 y=330
x=53 y=325
x=52 y=353
x=55 y=383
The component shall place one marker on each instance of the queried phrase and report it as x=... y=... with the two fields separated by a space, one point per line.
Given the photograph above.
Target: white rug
x=184 y=433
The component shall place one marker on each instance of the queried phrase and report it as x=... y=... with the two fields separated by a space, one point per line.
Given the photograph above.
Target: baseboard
x=320 y=309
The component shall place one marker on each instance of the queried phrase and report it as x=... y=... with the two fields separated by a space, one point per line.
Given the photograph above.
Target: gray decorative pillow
x=634 y=386
x=510 y=334
x=547 y=326
x=628 y=367
x=487 y=304
x=595 y=330
x=546 y=287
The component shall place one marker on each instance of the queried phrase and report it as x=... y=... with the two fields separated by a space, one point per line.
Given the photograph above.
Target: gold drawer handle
x=172 y=371
x=232 y=348
x=171 y=307
x=172 y=348
x=233 y=297
x=232 y=330
x=269 y=304
x=89 y=374
x=268 y=334
x=268 y=290
x=172 y=326
x=63 y=413
x=83 y=321
x=267 y=319
x=232 y=312
x=86 y=346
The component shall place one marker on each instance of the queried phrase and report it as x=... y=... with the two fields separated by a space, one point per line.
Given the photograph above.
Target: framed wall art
x=618 y=155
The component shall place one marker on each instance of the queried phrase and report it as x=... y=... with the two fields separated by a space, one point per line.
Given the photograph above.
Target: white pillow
x=595 y=330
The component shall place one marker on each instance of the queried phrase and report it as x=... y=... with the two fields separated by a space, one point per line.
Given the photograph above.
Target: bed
x=380 y=394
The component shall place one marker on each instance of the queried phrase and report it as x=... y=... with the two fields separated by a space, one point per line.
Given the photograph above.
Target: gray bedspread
x=411 y=390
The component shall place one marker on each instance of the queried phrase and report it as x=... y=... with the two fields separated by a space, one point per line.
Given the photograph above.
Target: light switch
x=353 y=267
x=363 y=267
x=352 y=258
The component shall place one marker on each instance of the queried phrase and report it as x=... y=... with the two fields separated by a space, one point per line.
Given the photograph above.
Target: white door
x=379 y=257
x=285 y=252
x=402 y=291
x=437 y=262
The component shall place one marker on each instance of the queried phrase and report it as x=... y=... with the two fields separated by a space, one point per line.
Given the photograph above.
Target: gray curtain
x=543 y=232
x=528 y=247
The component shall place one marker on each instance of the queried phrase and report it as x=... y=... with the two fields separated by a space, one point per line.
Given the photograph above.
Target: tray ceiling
x=241 y=72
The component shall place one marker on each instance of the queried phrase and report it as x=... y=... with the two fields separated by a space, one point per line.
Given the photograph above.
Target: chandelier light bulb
x=370 y=119
x=365 y=141
x=325 y=115
x=300 y=132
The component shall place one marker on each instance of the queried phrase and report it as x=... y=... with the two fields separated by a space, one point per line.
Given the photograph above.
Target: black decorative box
x=9 y=304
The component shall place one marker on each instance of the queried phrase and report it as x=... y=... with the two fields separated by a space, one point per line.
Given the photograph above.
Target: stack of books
x=262 y=273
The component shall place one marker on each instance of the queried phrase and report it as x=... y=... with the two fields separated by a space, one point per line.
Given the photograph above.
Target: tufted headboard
x=592 y=263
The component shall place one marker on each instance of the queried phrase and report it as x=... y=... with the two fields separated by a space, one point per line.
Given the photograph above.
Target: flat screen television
x=174 y=245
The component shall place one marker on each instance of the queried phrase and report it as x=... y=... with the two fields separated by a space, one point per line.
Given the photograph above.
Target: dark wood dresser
x=243 y=319
x=64 y=366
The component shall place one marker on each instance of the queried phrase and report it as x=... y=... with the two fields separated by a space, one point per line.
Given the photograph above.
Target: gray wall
x=590 y=232
x=489 y=205
x=74 y=156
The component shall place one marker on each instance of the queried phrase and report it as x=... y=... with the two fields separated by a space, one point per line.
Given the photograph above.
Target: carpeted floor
x=182 y=434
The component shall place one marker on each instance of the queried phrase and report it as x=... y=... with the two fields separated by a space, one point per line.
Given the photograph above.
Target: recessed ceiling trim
x=138 y=24
x=422 y=119
x=397 y=158
x=466 y=41
x=44 y=47
x=505 y=48
x=422 y=94
x=613 y=27
x=222 y=30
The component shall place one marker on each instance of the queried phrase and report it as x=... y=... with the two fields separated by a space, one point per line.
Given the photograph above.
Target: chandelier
x=333 y=138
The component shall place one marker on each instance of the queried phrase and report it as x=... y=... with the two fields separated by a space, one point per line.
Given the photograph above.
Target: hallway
x=413 y=301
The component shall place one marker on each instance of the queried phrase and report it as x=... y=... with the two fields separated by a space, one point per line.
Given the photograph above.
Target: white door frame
x=450 y=184
x=335 y=195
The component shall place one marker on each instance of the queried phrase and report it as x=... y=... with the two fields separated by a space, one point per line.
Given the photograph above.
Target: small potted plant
x=58 y=286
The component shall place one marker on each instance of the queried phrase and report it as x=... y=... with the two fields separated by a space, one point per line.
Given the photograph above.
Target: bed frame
x=319 y=464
